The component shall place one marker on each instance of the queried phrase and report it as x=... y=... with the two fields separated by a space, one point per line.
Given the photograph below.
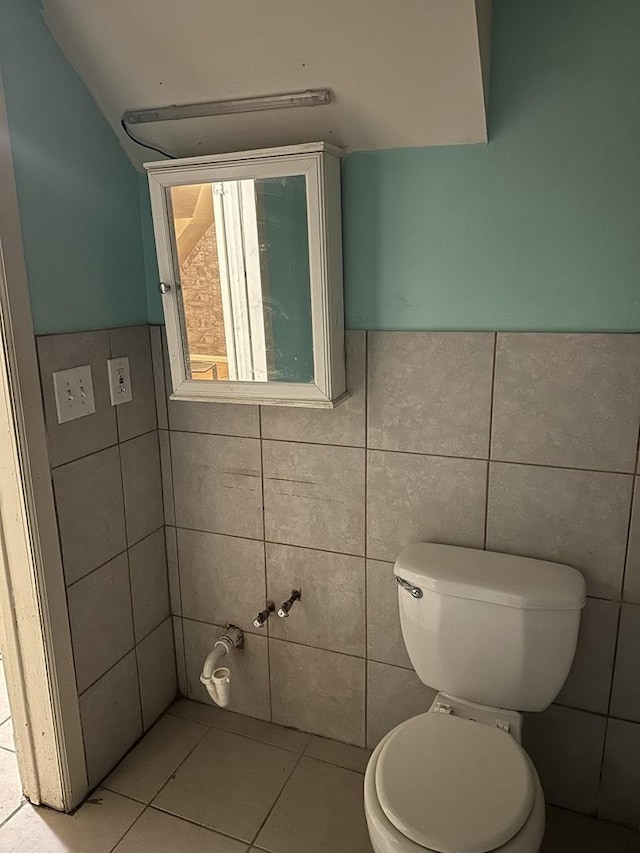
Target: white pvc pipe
x=217 y=679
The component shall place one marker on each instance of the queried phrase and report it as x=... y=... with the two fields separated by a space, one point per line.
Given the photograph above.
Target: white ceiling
x=403 y=72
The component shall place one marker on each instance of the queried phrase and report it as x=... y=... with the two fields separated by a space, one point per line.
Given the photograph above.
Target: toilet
x=495 y=635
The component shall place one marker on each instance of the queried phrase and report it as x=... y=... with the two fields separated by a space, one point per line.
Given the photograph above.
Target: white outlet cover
x=119 y=380
x=73 y=391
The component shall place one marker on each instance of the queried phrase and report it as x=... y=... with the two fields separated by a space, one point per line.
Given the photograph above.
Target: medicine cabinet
x=250 y=260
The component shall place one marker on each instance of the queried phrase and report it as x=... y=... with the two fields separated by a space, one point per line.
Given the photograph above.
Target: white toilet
x=496 y=635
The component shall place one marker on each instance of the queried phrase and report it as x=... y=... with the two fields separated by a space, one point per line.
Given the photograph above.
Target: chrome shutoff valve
x=261 y=619
x=286 y=606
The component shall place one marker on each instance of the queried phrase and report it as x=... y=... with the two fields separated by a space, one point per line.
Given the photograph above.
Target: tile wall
x=525 y=443
x=108 y=493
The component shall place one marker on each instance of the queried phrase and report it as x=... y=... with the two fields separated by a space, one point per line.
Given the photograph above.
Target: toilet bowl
x=442 y=783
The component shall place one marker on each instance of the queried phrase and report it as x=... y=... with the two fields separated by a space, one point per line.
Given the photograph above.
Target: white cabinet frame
x=319 y=163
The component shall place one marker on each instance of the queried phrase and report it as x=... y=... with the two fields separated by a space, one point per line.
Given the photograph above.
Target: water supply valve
x=286 y=606
x=261 y=619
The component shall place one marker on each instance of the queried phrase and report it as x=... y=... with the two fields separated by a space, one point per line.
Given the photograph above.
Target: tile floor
x=11 y=798
x=209 y=781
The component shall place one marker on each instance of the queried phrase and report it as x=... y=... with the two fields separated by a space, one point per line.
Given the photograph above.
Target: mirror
x=250 y=259
x=243 y=265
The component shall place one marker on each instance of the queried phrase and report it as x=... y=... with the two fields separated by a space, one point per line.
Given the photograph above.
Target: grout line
x=129 y=828
x=634 y=496
x=133 y=648
x=6 y=820
x=275 y=802
x=193 y=822
x=365 y=720
x=279 y=640
x=173 y=501
x=115 y=557
x=270 y=542
x=491 y=405
x=419 y=453
x=113 y=666
x=264 y=561
x=101 y=449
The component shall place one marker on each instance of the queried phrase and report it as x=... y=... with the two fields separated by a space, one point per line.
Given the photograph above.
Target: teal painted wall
x=539 y=230
x=77 y=191
x=284 y=230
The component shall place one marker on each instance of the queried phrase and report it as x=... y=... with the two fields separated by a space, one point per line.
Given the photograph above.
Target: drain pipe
x=217 y=678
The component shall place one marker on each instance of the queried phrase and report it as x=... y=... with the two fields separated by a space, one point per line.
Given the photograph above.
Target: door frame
x=35 y=634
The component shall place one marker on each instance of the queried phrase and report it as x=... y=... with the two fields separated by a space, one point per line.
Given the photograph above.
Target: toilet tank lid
x=506 y=579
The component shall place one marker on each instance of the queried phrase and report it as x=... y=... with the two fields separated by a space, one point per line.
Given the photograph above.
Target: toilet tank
x=491 y=628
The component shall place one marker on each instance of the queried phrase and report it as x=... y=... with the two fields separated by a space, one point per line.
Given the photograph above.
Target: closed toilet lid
x=454 y=785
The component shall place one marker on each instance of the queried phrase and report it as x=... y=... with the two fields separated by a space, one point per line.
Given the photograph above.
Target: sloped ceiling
x=403 y=72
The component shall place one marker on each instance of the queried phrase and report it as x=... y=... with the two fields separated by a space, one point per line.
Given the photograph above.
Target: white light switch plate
x=119 y=380
x=73 y=390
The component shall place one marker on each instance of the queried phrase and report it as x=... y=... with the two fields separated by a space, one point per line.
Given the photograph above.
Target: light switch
x=119 y=380
x=73 y=391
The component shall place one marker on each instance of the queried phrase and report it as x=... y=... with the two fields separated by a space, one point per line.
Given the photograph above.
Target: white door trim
x=36 y=636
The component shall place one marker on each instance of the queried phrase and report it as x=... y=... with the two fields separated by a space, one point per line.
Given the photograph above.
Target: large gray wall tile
x=384 y=634
x=149 y=583
x=100 y=617
x=142 y=486
x=589 y=682
x=217 y=483
x=574 y=517
x=632 y=573
x=393 y=696
x=413 y=498
x=314 y=496
x=157 y=672
x=94 y=432
x=567 y=399
x=249 y=669
x=139 y=414
x=221 y=578
x=331 y=613
x=343 y=425
x=566 y=748
x=620 y=788
x=430 y=392
x=111 y=718
x=214 y=418
x=625 y=697
x=90 y=512
x=318 y=691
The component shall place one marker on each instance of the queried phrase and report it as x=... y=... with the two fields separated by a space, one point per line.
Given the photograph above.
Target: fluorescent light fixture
x=309 y=98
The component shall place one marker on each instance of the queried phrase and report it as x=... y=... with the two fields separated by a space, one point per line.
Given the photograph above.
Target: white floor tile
x=10 y=784
x=6 y=735
x=157 y=832
x=228 y=783
x=149 y=765
x=320 y=811
x=95 y=828
x=5 y=711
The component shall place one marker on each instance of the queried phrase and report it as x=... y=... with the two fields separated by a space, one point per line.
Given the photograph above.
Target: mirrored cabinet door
x=249 y=253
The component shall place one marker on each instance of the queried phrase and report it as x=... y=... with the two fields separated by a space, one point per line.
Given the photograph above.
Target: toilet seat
x=453 y=785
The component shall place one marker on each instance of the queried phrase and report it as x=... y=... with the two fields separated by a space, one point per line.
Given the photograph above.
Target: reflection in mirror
x=242 y=256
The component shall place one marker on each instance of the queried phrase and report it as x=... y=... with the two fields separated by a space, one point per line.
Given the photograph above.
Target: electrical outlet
x=119 y=380
x=73 y=390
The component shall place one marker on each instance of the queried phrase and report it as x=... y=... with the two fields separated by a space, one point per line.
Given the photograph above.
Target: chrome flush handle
x=415 y=591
